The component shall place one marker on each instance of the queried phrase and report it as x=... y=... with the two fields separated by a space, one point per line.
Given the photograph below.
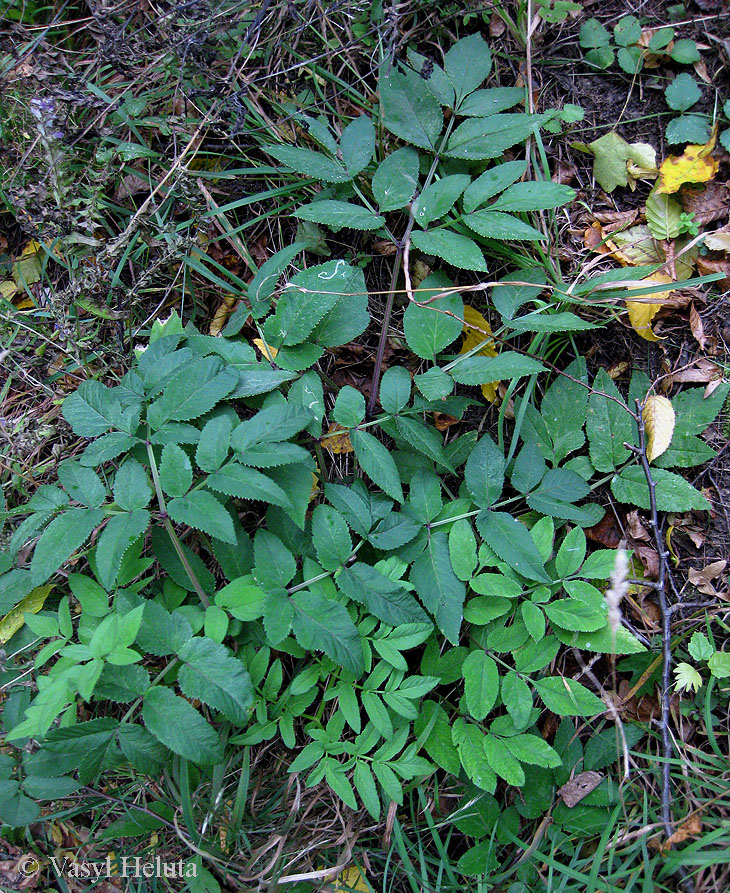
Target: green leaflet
x=81 y=483
x=63 y=536
x=533 y=196
x=330 y=537
x=377 y=463
x=566 y=697
x=395 y=389
x=193 y=391
x=484 y=472
x=340 y=214
x=238 y=480
x=311 y=164
x=481 y=683
x=438 y=198
x=323 y=625
x=467 y=64
x=132 y=490
x=478 y=370
x=179 y=726
x=513 y=543
x=438 y=587
x=492 y=182
x=202 y=511
x=456 y=249
x=214 y=676
x=608 y=425
x=673 y=493
x=497 y=225
x=383 y=597
x=357 y=144
x=396 y=179
x=428 y=330
x=479 y=138
x=121 y=532
x=92 y=409
x=409 y=110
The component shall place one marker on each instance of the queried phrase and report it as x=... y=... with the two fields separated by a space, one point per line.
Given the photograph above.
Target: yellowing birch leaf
x=266 y=349
x=642 y=312
x=694 y=165
x=31 y=604
x=658 y=416
x=475 y=328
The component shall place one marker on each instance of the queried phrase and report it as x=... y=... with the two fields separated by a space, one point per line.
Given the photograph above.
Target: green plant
x=629 y=49
x=405 y=613
x=702 y=649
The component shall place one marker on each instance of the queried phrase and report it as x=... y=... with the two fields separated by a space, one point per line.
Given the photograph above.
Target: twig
x=660 y=589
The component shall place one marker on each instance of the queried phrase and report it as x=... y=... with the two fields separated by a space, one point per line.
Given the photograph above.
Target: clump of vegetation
x=376 y=527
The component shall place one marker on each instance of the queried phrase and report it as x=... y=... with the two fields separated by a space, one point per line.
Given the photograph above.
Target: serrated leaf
x=477 y=370
x=338 y=214
x=202 y=511
x=576 y=615
x=608 y=425
x=377 y=463
x=213 y=445
x=395 y=389
x=517 y=698
x=481 y=683
x=238 y=480
x=486 y=102
x=179 y=726
x=663 y=216
x=271 y=424
x=463 y=549
x=502 y=762
x=409 y=109
x=120 y=532
x=566 y=697
x=438 y=198
x=63 y=536
x=673 y=493
x=501 y=226
x=658 y=417
x=533 y=196
x=396 y=179
x=330 y=537
x=428 y=329
x=484 y=472
x=383 y=597
x=564 y=409
x=479 y=138
x=474 y=758
x=132 y=490
x=422 y=438
x=357 y=144
x=366 y=788
x=311 y=164
x=193 y=391
x=349 y=408
x=214 y=676
x=513 y=543
x=682 y=93
x=533 y=750
x=81 y=483
x=456 y=249
x=438 y=587
x=323 y=625
x=492 y=182
x=467 y=64
x=92 y=409
x=176 y=471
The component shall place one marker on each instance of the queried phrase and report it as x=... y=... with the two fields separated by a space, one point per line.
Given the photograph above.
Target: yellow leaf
x=658 y=416
x=8 y=289
x=642 y=312
x=693 y=166
x=337 y=440
x=266 y=349
x=315 y=487
x=474 y=322
x=221 y=315
x=351 y=878
x=31 y=604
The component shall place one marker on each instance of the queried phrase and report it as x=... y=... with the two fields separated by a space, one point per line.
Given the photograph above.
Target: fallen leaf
x=497 y=26
x=642 y=312
x=635 y=528
x=337 y=440
x=442 y=421
x=351 y=878
x=618 y=163
x=475 y=329
x=220 y=318
x=696 y=327
x=31 y=604
x=706 y=265
x=719 y=240
x=616 y=370
x=606 y=532
x=580 y=786
x=702 y=579
x=266 y=350
x=694 y=165
x=708 y=203
x=702 y=370
x=659 y=418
